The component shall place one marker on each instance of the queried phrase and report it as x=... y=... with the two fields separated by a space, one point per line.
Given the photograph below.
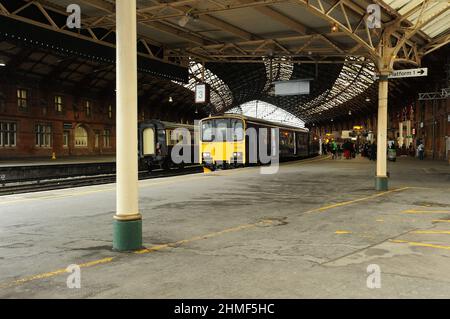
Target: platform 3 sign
x=407 y=73
x=202 y=93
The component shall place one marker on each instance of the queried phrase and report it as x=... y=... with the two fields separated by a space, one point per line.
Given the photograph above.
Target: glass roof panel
x=433 y=7
x=268 y=112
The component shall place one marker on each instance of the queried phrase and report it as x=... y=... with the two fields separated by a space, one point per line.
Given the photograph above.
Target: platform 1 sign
x=407 y=73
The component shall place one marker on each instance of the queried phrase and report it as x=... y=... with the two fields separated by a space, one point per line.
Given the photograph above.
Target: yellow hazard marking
x=206 y=170
x=197 y=238
x=308 y=161
x=442 y=232
x=54 y=273
x=418 y=244
x=413 y=211
x=341 y=232
x=441 y=220
x=380 y=220
x=320 y=209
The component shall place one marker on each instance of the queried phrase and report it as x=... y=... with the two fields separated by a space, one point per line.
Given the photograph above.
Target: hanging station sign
x=201 y=93
x=407 y=73
x=292 y=87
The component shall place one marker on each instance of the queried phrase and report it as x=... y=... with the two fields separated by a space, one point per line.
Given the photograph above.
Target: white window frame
x=8 y=129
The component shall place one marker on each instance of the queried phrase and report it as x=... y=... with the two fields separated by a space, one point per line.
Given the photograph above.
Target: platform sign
x=407 y=73
x=201 y=93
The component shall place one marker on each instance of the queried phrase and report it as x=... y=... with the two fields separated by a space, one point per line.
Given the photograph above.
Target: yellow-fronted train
x=234 y=140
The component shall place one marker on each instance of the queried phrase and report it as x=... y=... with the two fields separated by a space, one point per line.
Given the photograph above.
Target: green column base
x=127 y=235
x=381 y=183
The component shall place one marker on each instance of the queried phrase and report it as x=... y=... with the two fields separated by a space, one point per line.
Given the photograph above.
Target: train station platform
x=310 y=231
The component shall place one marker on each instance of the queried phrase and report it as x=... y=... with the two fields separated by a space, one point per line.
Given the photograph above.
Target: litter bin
x=392 y=154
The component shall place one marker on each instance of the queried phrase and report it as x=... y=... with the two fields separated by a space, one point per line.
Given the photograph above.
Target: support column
x=127 y=221
x=400 y=139
x=381 y=183
x=408 y=134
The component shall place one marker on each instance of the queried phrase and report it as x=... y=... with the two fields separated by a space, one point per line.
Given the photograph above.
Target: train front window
x=207 y=131
x=222 y=128
x=237 y=130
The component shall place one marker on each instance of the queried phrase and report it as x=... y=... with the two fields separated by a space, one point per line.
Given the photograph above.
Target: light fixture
x=334 y=28
x=170 y=99
x=184 y=20
x=367 y=99
x=350 y=112
x=2 y=63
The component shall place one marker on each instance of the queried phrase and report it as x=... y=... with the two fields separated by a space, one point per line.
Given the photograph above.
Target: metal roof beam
x=100 y=4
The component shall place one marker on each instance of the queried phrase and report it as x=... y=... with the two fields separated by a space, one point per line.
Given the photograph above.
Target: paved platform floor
x=310 y=231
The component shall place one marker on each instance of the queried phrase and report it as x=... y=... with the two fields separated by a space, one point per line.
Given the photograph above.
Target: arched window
x=81 y=137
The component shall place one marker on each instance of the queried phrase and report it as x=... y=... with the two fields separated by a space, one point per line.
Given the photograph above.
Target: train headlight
x=237 y=154
x=206 y=155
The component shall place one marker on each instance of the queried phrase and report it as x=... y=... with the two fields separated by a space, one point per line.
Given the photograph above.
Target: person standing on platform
x=339 y=151
x=373 y=151
x=421 y=149
x=334 y=149
x=347 y=151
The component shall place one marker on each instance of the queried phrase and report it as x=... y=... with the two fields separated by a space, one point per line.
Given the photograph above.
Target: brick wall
x=41 y=110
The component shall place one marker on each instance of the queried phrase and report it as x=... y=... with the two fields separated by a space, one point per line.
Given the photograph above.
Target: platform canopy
x=246 y=45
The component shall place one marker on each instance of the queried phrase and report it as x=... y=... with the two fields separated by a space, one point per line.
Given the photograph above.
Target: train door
x=275 y=142
x=295 y=142
x=148 y=141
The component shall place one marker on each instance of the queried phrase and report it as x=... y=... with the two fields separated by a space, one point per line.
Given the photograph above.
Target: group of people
x=348 y=149
x=410 y=150
x=369 y=150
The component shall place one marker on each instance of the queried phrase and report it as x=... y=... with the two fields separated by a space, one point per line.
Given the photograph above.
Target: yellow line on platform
x=440 y=232
x=54 y=273
x=441 y=220
x=197 y=238
x=413 y=211
x=418 y=244
x=307 y=161
x=320 y=209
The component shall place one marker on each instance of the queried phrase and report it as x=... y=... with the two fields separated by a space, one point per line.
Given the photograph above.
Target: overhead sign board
x=407 y=73
x=292 y=87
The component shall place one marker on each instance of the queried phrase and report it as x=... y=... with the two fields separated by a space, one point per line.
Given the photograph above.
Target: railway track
x=79 y=181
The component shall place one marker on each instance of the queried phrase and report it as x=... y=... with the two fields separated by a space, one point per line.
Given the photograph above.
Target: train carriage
x=156 y=140
x=236 y=140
